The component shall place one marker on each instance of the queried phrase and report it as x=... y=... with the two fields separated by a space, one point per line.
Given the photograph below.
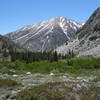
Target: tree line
x=36 y=56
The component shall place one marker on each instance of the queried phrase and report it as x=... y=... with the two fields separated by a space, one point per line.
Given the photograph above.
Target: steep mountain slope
x=46 y=35
x=87 y=40
x=7 y=46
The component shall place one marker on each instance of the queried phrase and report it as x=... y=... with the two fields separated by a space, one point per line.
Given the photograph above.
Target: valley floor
x=29 y=80
x=69 y=79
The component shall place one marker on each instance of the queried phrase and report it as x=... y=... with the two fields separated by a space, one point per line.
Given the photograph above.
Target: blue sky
x=15 y=14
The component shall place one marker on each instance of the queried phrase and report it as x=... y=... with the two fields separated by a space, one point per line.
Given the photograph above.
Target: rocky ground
x=29 y=80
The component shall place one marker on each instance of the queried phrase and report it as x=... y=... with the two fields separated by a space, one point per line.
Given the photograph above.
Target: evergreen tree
x=55 y=56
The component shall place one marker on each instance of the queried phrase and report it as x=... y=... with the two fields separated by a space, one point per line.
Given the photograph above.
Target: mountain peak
x=46 y=35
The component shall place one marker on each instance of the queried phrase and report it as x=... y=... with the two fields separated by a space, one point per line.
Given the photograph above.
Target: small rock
x=97 y=84
x=51 y=74
x=28 y=73
x=64 y=76
x=15 y=75
x=12 y=97
x=79 y=78
x=84 y=80
x=78 y=86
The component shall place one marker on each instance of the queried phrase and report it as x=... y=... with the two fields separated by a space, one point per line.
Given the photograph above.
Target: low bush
x=59 y=91
x=8 y=83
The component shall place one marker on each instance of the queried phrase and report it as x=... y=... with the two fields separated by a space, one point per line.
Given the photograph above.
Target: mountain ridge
x=46 y=35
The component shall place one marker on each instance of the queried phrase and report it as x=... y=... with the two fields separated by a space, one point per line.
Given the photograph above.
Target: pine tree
x=55 y=56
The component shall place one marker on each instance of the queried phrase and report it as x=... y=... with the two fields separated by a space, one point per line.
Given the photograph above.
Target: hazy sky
x=15 y=14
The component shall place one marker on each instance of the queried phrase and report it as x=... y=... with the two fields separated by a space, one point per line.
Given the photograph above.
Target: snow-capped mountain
x=46 y=35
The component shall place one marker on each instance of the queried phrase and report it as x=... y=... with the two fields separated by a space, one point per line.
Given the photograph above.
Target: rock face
x=89 y=36
x=46 y=35
x=87 y=40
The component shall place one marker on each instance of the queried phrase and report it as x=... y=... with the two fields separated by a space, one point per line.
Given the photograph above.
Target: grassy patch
x=8 y=83
x=84 y=62
x=74 y=65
